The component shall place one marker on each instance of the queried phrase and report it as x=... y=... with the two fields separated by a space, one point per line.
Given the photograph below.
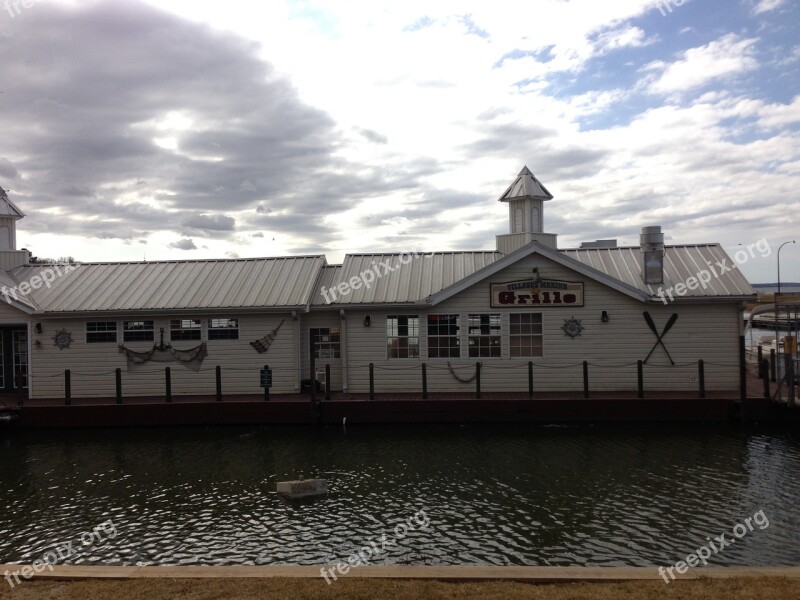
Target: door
x=13 y=359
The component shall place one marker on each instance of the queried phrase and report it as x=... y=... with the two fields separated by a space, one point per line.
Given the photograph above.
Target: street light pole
x=779 y=262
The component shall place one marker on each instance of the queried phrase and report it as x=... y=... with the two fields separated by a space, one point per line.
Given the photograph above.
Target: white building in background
x=524 y=301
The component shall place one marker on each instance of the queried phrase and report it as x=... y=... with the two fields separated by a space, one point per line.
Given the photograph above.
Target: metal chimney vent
x=652 y=245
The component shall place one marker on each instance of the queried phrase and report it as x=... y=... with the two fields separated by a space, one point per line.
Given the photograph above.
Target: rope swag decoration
x=461 y=379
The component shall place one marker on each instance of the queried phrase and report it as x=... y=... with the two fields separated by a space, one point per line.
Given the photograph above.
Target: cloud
x=184 y=244
x=7 y=169
x=210 y=223
x=729 y=56
x=373 y=136
x=767 y=6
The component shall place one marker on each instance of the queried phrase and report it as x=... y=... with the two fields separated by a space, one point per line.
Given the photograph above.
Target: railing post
x=218 y=371
x=764 y=366
x=371 y=381
x=585 y=379
x=478 y=380
x=760 y=358
x=424 y=381
x=118 y=377
x=327 y=381
x=773 y=369
x=67 y=387
x=701 y=377
x=640 y=377
x=742 y=376
x=530 y=379
x=168 y=381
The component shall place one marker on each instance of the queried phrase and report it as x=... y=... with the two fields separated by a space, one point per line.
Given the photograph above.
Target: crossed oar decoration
x=651 y=324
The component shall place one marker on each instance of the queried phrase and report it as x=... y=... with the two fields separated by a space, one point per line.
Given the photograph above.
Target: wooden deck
x=544 y=407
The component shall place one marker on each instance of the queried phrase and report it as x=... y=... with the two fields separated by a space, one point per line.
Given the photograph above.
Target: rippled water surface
x=635 y=495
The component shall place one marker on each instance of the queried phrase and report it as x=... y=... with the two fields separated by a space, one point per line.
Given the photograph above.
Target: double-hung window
x=185 y=329
x=443 y=338
x=223 y=329
x=138 y=331
x=101 y=331
x=484 y=335
x=402 y=336
x=526 y=339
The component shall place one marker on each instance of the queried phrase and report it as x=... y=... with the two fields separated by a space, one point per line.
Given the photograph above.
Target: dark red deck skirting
x=247 y=410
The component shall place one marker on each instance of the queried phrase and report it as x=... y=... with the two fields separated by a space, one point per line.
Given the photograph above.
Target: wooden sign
x=541 y=293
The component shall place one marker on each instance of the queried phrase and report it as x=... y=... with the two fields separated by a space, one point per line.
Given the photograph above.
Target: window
x=443 y=339
x=223 y=329
x=526 y=335
x=326 y=342
x=484 y=336
x=101 y=331
x=138 y=331
x=402 y=336
x=184 y=329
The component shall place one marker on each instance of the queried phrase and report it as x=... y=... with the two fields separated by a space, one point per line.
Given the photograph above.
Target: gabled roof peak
x=8 y=208
x=526 y=186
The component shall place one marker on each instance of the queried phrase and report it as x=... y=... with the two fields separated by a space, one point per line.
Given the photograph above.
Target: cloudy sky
x=182 y=129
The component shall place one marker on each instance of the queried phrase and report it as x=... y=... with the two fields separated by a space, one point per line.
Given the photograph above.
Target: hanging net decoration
x=165 y=353
x=263 y=344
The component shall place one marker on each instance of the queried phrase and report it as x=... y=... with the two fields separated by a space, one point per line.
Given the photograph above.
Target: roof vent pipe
x=652 y=245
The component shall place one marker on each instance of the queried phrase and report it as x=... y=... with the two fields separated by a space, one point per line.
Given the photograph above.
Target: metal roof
x=176 y=285
x=680 y=264
x=526 y=186
x=401 y=278
x=8 y=208
x=330 y=277
x=525 y=251
x=12 y=294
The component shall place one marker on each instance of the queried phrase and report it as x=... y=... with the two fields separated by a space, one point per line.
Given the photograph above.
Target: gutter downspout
x=343 y=347
x=30 y=360
x=298 y=350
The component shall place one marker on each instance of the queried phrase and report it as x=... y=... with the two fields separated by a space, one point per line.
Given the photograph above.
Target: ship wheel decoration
x=572 y=327
x=62 y=339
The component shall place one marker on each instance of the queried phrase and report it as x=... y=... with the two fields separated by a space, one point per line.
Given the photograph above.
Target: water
x=502 y=495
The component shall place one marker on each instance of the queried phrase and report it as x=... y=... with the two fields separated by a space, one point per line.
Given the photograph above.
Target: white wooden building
x=525 y=301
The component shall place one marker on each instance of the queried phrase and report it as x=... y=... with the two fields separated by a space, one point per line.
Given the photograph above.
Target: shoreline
x=405 y=572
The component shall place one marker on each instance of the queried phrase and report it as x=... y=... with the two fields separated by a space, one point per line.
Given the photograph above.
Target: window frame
x=530 y=336
x=115 y=331
x=398 y=337
x=439 y=336
x=329 y=344
x=215 y=333
x=139 y=334
x=481 y=337
x=181 y=330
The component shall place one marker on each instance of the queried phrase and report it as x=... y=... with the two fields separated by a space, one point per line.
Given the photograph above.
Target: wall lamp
x=367 y=321
x=38 y=328
x=604 y=316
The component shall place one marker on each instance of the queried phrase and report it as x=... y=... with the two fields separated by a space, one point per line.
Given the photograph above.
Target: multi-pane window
x=223 y=329
x=402 y=336
x=443 y=339
x=327 y=343
x=138 y=331
x=185 y=329
x=526 y=335
x=101 y=331
x=484 y=335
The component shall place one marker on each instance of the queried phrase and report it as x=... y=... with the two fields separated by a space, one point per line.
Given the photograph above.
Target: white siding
x=93 y=365
x=709 y=332
x=13 y=316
